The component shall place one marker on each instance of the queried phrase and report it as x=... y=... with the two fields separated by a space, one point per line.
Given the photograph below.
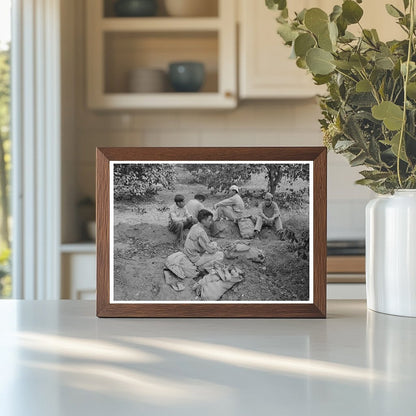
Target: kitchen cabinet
x=118 y=45
x=78 y=263
x=265 y=70
x=346 y=277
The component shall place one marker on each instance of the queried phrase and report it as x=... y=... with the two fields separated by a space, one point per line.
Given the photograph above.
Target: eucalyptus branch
x=363 y=60
x=398 y=95
x=369 y=40
x=392 y=90
x=358 y=45
x=373 y=88
x=346 y=75
x=406 y=79
x=404 y=28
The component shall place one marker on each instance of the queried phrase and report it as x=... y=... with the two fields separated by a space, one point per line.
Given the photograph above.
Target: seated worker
x=198 y=247
x=268 y=215
x=231 y=208
x=179 y=217
x=195 y=205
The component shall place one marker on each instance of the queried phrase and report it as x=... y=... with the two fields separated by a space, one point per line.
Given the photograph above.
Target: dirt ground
x=142 y=243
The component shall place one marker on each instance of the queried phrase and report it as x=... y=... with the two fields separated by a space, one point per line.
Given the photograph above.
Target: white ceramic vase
x=391 y=253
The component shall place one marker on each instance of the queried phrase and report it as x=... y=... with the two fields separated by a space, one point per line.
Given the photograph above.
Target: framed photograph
x=211 y=232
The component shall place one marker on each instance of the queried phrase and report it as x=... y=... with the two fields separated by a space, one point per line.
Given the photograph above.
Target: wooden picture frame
x=314 y=307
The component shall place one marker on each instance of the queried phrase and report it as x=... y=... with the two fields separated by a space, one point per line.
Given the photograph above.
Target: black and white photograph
x=211 y=232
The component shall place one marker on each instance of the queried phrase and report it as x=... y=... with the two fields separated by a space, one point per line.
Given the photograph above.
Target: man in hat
x=268 y=215
x=231 y=208
x=179 y=217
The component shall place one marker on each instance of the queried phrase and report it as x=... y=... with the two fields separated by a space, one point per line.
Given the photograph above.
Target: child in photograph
x=268 y=215
x=179 y=218
x=198 y=247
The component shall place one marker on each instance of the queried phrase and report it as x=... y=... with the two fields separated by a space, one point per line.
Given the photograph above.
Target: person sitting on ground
x=268 y=215
x=179 y=217
x=198 y=248
x=195 y=205
x=231 y=208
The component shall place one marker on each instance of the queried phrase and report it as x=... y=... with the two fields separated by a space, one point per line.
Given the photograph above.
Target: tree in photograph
x=275 y=173
x=142 y=180
x=219 y=177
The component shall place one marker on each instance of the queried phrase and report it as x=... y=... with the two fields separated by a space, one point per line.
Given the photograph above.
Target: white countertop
x=57 y=358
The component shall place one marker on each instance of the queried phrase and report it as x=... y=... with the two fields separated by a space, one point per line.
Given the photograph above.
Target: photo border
x=315 y=307
x=205 y=162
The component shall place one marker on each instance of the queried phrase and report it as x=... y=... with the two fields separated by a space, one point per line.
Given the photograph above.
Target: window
x=5 y=145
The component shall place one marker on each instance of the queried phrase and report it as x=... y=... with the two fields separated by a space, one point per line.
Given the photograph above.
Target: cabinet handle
x=229 y=94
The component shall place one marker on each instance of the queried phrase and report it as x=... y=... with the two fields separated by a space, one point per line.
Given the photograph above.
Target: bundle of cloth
x=178 y=267
x=212 y=286
x=219 y=279
x=238 y=249
x=246 y=227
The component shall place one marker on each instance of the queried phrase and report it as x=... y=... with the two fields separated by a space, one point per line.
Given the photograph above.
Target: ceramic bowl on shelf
x=92 y=230
x=147 y=81
x=135 y=8
x=191 y=8
x=186 y=76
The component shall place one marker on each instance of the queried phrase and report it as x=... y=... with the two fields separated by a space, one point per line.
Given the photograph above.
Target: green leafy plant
x=369 y=112
x=142 y=180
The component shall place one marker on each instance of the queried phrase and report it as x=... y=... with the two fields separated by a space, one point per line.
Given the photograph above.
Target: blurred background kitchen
x=189 y=73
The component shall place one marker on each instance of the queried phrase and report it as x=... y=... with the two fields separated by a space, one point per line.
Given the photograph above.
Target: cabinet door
x=265 y=68
x=376 y=17
x=78 y=276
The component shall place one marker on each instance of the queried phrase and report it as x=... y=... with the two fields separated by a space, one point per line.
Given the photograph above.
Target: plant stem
x=346 y=75
x=392 y=91
x=373 y=88
x=405 y=81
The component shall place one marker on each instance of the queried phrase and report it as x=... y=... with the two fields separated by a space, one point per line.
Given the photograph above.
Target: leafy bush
x=141 y=180
x=219 y=177
x=290 y=199
x=369 y=112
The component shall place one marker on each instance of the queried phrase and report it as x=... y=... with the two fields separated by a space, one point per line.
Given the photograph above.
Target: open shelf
x=127 y=51
x=160 y=24
x=210 y=10
x=87 y=247
x=167 y=100
x=119 y=45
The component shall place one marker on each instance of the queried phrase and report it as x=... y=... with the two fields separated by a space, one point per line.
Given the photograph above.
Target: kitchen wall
x=253 y=123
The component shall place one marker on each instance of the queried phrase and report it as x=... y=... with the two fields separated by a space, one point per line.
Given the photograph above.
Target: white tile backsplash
x=170 y=138
x=346 y=219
